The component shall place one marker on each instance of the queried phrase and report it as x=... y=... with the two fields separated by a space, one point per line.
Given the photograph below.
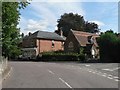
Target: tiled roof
x=46 y=35
x=82 y=37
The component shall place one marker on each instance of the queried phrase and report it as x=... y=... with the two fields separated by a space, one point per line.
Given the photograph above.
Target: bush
x=81 y=57
x=109 y=45
x=61 y=56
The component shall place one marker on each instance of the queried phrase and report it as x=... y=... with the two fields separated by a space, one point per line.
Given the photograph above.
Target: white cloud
x=36 y=25
x=99 y=23
x=47 y=14
x=51 y=11
x=31 y=25
x=44 y=11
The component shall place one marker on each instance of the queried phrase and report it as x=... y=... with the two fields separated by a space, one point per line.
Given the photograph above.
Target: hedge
x=51 y=56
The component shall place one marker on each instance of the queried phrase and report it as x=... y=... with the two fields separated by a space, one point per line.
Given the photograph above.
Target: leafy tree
x=109 y=45
x=76 y=22
x=91 y=27
x=70 y=21
x=118 y=49
x=10 y=32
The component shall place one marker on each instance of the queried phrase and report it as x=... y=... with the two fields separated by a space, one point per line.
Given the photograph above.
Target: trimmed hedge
x=52 y=56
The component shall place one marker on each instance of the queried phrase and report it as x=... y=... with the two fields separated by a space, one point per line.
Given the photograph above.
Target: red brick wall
x=46 y=45
x=42 y=45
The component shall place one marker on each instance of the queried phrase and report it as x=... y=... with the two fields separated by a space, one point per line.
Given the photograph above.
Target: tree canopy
x=91 y=27
x=109 y=45
x=10 y=32
x=76 y=22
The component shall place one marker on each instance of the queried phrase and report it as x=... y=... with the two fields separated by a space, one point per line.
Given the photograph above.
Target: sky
x=43 y=15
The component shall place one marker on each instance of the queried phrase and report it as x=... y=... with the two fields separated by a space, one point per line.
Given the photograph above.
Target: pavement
x=62 y=75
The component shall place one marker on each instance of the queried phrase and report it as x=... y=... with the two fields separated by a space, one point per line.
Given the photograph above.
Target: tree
x=109 y=45
x=76 y=22
x=10 y=32
x=70 y=21
x=91 y=27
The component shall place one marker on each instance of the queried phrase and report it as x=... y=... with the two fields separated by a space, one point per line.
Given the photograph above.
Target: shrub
x=109 y=45
x=81 y=57
x=61 y=56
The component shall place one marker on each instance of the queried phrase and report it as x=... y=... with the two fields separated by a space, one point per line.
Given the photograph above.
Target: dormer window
x=90 y=39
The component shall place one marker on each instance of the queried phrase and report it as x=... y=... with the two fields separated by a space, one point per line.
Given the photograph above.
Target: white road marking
x=109 y=77
x=116 y=80
x=87 y=65
x=50 y=72
x=90 y=71
x=107 y=69
x=65 y=82
x=104 y=75
x=111 y=69
x=115 y=77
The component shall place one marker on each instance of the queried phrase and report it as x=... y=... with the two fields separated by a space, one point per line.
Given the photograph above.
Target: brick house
x=77 y=39
x=41 y=41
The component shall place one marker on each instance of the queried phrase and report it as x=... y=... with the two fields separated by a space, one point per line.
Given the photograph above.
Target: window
x=32 y=43
x=53 y=44
x=62 y=44
x=71 y=46
x=90 y=39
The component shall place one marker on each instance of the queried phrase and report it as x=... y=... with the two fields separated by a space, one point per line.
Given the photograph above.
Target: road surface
x=62 y=75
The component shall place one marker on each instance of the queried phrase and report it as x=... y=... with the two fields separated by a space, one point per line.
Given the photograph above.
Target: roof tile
x=46 y=35
x=82 y=37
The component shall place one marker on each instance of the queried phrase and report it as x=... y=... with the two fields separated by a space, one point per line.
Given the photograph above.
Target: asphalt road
x=62 y=75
